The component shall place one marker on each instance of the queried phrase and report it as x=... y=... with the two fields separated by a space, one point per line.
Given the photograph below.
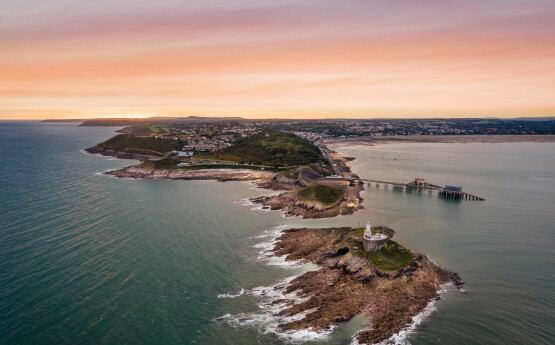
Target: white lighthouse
x=368 y=231
x=373 y=242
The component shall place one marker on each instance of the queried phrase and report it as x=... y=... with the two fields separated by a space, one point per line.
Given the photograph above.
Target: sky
x=278 y=59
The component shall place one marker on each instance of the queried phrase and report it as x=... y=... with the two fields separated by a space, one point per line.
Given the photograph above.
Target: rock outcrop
x=98 y=149
x=292 y=205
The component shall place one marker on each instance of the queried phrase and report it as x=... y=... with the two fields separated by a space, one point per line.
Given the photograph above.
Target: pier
x=447 y=192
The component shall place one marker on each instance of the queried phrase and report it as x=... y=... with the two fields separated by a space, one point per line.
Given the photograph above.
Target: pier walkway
x=448 y=192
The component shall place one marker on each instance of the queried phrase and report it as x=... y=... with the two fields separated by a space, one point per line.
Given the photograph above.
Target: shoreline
x=288 y=202
x=451 y=139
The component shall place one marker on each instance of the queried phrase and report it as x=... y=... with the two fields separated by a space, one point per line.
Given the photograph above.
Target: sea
x=86 y=258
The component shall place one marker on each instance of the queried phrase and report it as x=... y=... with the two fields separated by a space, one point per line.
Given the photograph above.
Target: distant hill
x=154 y=121
x=64 y=120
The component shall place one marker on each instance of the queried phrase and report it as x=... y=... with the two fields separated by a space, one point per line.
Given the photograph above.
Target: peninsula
x=316 y=183
x=363 y=272
x=292 y=156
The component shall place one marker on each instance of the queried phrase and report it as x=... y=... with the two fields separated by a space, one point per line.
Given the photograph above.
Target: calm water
x=89 y=259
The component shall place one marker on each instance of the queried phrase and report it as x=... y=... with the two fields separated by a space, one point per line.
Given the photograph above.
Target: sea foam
x=266 y=253
x=269 y=321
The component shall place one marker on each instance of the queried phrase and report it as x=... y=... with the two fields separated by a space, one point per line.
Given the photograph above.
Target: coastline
x=262 y=179
x=97 y=149
x=288 y=202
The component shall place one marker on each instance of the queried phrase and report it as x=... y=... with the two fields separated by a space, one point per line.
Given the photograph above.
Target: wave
x=266 y=253
x=226 y=295
x=104 y=173
x=109 y=158
x=88 y=153
x=260 y=207
x=269 y=321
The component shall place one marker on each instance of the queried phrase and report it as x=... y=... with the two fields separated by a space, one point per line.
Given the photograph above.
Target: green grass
x=147 y=145
x=159 y=128
x=274 y=148
x=219 y=166
x=164 y=163
x=291 y=173
x=325 y=195
x=390 y=258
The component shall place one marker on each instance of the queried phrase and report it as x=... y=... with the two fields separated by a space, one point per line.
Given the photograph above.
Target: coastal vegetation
x=163 y=164
x=269 y=150
x=169 y=163
x=160 y=128
x=274 y=148
x=389 y=258
x=323 y=194
x=144 y=145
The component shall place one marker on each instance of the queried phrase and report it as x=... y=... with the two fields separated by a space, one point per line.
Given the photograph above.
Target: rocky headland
x=352 y=281
x=262 y=179
x=288 y=201
x=98 y=149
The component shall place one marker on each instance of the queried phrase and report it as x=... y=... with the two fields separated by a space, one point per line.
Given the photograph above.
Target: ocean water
x=91 y=259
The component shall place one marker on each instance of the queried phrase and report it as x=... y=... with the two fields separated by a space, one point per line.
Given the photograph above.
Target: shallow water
x=87 y=258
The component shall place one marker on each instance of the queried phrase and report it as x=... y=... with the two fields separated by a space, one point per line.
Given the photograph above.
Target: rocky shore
x=262 y=179
x=348 y=284
x=98 y=149
x=287 y=201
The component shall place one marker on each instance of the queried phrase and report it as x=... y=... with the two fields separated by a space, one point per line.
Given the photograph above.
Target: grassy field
x=147 y=145
x=219 y=166
x=320 y=193
x=273 y=148
x=159 y=128
x=390 y=258
x=171 y=164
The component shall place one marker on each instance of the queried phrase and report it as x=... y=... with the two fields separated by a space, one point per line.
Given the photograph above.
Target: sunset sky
x=288 y=59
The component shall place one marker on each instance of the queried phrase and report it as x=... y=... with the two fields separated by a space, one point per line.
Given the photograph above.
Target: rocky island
x=389 y=283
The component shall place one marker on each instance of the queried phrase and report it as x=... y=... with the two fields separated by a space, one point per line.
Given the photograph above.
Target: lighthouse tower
x=373 y=242
x=368 y=230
